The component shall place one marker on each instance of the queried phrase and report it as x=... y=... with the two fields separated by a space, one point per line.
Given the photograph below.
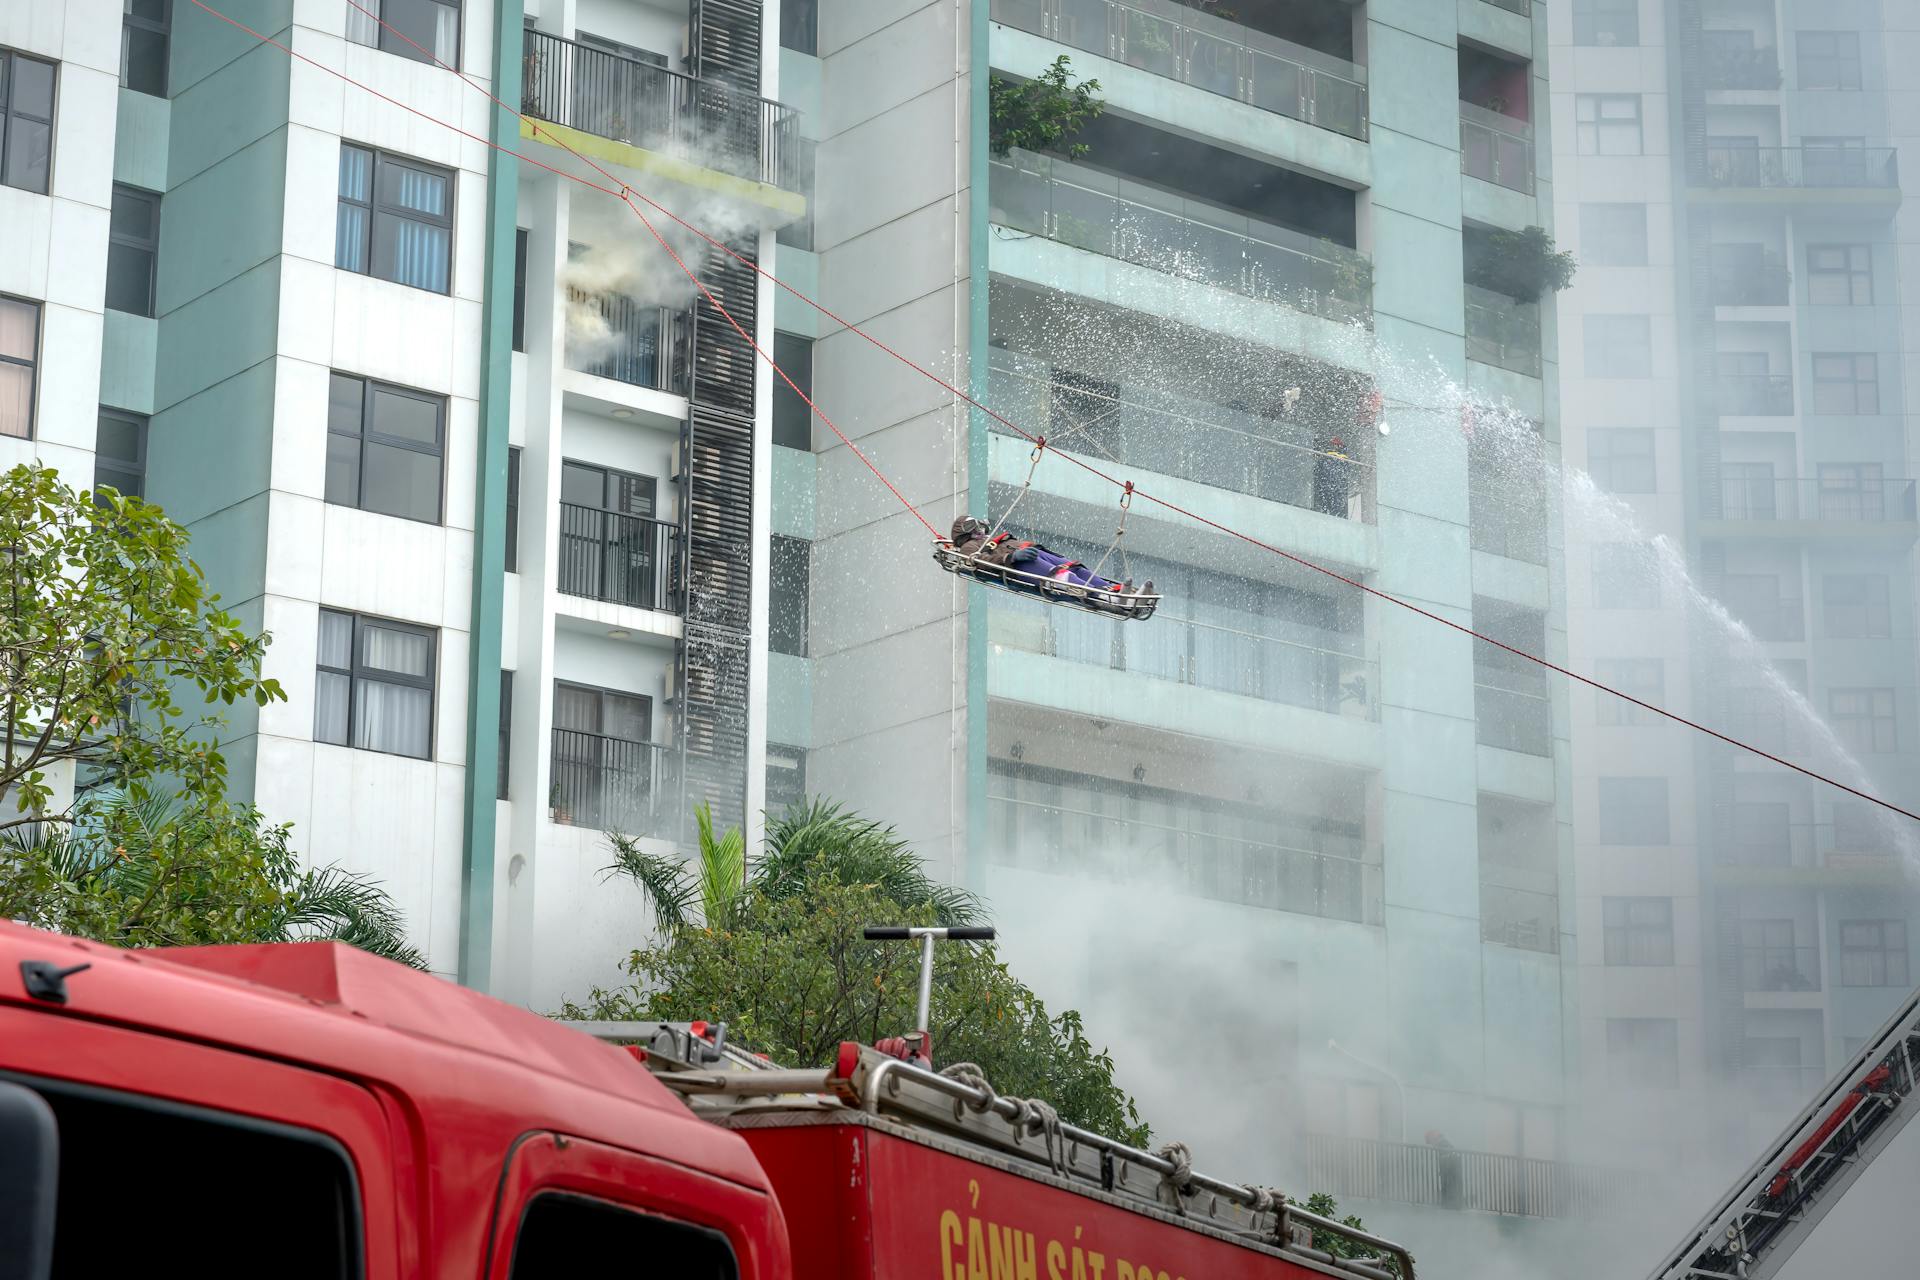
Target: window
x=603 y=759
x=1633 y=811
x=432 y=27
x=395 y=220
x=790 y=589
x=1642 y=678
x=26 y=121
x=143 y=46
x=786 y=777
x=513 y=509
x=1858 y=828
x=1626 y=575
x=120 y=452
x=133 y=241
x=1854 y=606
x=1840 y=275
x=792 y=420
x=611 y=546
x=374 y=688
x=1873 y=953
x=1606 y=124
x=384 y=445
x=801 y=163
x=506 y=732
x=799 y=25
x=520 y=289
x=1829 y=59
x=1638 y=931
x=1864 y=720
x=1852 y=491
x=1643 y=1053
x=1619 y=346
x=1846 y=382
x=19 y=349
x=1620 y=459
x=1606 y=23
x=1613 y=235
x=564 y=1235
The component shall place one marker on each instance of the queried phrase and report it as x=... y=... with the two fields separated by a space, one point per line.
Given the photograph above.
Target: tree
x=1524 y=265
x=1326 y=1206
x=104 y=622
x=1041 y=114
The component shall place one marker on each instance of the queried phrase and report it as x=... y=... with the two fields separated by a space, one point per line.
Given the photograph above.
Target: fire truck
x=308 y=1111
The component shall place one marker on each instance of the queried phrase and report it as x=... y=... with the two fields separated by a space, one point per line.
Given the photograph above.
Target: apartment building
x=1735 y=363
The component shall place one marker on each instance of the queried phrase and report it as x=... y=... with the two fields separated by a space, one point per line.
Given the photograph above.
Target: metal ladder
x=1772 y=1209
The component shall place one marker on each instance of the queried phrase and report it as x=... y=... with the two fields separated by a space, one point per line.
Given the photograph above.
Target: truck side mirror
x=29 y=1182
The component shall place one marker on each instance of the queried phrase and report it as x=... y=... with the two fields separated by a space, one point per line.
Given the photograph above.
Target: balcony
x=1522 y=7
x=643 y=346
x=1226 y=58
x=1446 y=1178
x=705 y=122
x=1503 y=332
x=1750 y=275
x=612 y=784
x=1191 y=240
x=1730 y=67
x=1509 y=522
x=1811 y=168
x=1754 y=395
x=620 y=559
x=1512 y=712
x=1779 y=968
x=1496 y=148
x=1779 y=852
x=1854 y=500
x=1524 y=919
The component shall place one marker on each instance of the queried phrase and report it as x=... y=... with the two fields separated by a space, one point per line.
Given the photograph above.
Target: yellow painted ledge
x=656 y=164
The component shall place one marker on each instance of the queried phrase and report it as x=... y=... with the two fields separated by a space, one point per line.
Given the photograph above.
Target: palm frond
x=820 y=840
x=662 y=879
x=723 y=868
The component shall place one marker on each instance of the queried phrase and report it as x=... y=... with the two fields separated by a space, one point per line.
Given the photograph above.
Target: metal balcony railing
x=1496 y=148
x=1750 y=276
x=1509 y=718
x=1722 y=67
x=645 y=346
x=621 y=559
x=612 y=784
x=1757 y=843
x=1503 y=332
x=1802 y=167
x=1508 y=522
x=708 y=122
x=1189 y=239
x=1335 y=680
x=1754 y=395
x=1340 y=882
x=1779 y=968
x=1522 y=7
x=1209 y=52
x=1447 y=1178
x=1280 y=459
x=1852 y=500
x=1526 y=919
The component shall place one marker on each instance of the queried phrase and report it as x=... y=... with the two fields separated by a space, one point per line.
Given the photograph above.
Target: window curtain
x=393 y=718
x=350 y=225
x=446 y=33
x=362 y=27
x=421 y=250
x=331 y=688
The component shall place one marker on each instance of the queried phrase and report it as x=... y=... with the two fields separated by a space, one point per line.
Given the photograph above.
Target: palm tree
x=814 y=842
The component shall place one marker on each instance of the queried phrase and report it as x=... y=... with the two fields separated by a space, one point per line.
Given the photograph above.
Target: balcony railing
x=1503 y=332
x=621 y=559
x=1526 y=919
x=644 y=346
x=1509 y=522
x=1509 y=718
x=1753 y=277
x=708 y=122
x=1806 y=845
x=1855 y=500
x=1496 y=148
x=1183 y=436
x=1208 y=52
x=1522 y=7
x=1367 y=1169
x=1322 y=677
x=1783 y=968
x=611 y=784
x=1135 y=223
x=1730 y=68
x=1802 y=167
x=1345 y=884
x=1755 y=395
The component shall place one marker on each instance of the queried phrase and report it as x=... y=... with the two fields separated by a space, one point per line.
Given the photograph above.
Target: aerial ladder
x=1772 y=1209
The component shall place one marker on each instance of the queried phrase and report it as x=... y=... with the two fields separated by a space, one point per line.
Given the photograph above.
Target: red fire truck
x=310 y=1111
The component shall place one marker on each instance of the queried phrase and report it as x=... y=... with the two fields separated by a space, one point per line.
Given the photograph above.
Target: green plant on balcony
x=1524 y=265
x=1353 y=280
x=529 y=79
x=1041 y=114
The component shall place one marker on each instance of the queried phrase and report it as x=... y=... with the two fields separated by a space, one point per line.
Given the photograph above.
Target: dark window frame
x=151 y=247
x=512 y=561
x=1623 y=937
x=1587 y=134
x=800 y=26
x=1606 y=463
x=161 y=27
x=379 y=212
x=386 y=41
x=602 y=692
x=31 y=365
x=9 y=81
x=1852 y=273
x=793 y=352
x=780 y=633
x=1861 y=384
x=610 y=479
x=1884 y=949
x=1592 y=18
x=355 y=673
x=367 y=434
x=138 y=467
x=520 y=238
x=506 y=733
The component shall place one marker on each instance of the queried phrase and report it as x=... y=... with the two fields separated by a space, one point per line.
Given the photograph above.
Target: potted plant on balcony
x=1041 y=114
x=1523 y=265
x=529 y=80
x=557 y=807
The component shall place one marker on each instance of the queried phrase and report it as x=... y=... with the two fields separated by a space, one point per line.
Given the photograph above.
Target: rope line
x=627 y=195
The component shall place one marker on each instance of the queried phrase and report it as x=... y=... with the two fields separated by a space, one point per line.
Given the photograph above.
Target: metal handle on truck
x=928 y=936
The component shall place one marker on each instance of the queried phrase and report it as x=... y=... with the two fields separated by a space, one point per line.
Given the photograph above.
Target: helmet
x=966 y=527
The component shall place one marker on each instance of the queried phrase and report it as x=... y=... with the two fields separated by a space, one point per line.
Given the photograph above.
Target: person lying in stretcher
x=971 y=538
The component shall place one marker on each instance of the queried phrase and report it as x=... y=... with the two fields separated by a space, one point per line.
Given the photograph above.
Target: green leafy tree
x=1041 y=114
x=1326 y=1206
x=1524 y=265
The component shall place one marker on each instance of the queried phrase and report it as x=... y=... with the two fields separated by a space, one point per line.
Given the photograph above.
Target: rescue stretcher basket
x=1136 y=606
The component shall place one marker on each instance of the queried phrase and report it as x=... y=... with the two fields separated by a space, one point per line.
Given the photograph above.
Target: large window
x=1619 y=346
x=603 y=762
x=506 y=734
x=1626 y=575
x=1854 y=606
x=1633 y=811
x=520 y=289
x=1607 y=23
x=1620 y=459
x=384 y=448
x=513 y=509
x=1873 y=953
x=120 y=452
x=424 y=30
x=19 y=353
x=1829 y=59
x=374 y=685
x=1643 y=1053
x=1606 y=124
x=787 y=605
x=1864 y=720
x=1642 y=678
x=611 y=546
x=143 y=45
x=26 y=121
x=1840 y=275
x=133 y=244
x=565 y=1235
x=395 y=220
x=1613 y=235
x=1638 y=931
x=786 y=777
x=792 y=419
x=1846 y=382
x=799 y=25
